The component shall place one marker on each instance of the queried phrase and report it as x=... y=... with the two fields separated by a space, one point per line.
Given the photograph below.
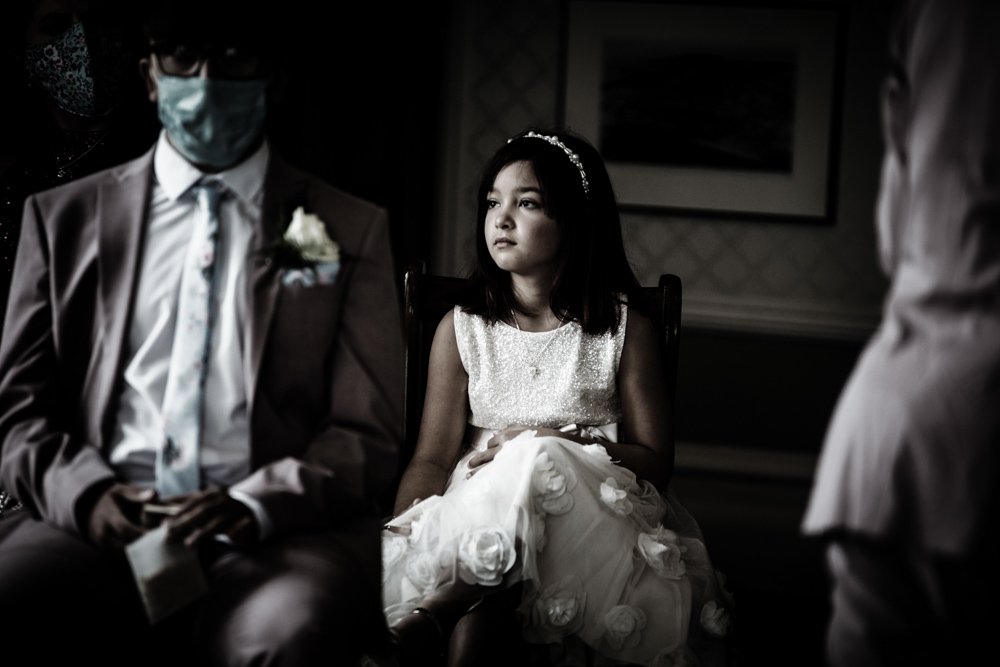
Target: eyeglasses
x=228 y=62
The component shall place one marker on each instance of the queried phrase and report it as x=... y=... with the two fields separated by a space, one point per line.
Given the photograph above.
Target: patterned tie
x=177 y=461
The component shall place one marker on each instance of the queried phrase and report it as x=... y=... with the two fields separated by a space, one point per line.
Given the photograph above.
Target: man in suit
x=296 y=380
x=907 y=490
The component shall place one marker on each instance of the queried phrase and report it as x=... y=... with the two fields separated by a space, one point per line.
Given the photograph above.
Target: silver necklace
x=533 y=369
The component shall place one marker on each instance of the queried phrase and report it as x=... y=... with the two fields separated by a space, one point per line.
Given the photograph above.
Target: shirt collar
x=176 y=175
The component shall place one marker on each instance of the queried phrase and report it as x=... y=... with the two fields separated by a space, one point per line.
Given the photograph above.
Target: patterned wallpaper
x=758 y=275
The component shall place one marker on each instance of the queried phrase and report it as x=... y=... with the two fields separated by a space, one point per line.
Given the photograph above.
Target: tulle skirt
x=604 y=558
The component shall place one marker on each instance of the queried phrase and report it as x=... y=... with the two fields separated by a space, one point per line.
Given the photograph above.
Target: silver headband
x=573 y=157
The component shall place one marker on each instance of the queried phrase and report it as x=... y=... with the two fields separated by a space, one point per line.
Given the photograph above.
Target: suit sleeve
x=351 y=461
x=41 y=463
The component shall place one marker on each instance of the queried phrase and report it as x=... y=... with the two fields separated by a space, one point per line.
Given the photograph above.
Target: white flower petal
x=485 y=554
x=308 y=234
x=663 y=553
x=552 y=484
x=615 y=497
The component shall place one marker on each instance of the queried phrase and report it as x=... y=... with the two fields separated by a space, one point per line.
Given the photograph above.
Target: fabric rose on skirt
x=485 y=554
x=623 y=626
x=715 y=619
x=423 y=570
x=557 y=611
x=615 y=497
x=552 y=485
x=663 y=552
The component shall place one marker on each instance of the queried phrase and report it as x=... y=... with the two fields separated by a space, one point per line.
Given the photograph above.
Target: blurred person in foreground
x=906 y=493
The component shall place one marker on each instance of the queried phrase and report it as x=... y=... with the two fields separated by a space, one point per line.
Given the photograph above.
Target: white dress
x=607 y=562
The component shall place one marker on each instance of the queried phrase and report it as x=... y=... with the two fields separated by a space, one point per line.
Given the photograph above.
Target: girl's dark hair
x=593 y=272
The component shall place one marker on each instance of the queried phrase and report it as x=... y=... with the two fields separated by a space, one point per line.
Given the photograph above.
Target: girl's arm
x=442 y=425
x=645 y=447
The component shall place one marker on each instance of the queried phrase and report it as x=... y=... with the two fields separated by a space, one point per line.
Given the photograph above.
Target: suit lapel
x=282 y=192
x=120 y=215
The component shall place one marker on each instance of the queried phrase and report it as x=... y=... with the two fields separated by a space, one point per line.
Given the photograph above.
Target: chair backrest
x=428 y=297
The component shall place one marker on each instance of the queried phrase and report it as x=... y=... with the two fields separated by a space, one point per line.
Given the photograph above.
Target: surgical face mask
x=212 y=122
x=80 y=80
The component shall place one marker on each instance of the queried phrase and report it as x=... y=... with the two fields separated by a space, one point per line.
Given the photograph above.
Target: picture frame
x=719 y=109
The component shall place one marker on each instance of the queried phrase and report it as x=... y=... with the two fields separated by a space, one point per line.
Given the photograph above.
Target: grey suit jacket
x=323 y=373
x=913 y=451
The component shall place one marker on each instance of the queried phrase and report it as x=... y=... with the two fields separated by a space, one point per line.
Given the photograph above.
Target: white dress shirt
x=139 y=432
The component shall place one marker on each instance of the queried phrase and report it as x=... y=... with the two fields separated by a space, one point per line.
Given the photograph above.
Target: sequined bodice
x=551 y=378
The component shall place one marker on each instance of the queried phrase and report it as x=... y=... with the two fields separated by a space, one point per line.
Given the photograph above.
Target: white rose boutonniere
x=308 y=253
x=308 y=233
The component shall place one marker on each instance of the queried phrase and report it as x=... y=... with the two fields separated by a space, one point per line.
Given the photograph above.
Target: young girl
x=534 y=485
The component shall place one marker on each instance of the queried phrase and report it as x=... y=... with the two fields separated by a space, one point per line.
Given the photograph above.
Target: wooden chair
x=426 y=299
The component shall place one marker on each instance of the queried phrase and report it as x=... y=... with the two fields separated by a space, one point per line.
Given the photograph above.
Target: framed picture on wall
x=727 y=109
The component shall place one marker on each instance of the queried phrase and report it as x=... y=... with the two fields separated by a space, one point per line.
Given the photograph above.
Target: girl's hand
x=493 y=447
x=477 y=462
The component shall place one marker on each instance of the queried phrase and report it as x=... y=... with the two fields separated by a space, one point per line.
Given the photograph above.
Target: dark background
x=362 y=106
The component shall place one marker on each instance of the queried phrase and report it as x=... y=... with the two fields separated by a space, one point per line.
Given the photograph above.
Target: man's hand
x=204 y=514
x=114 y=520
